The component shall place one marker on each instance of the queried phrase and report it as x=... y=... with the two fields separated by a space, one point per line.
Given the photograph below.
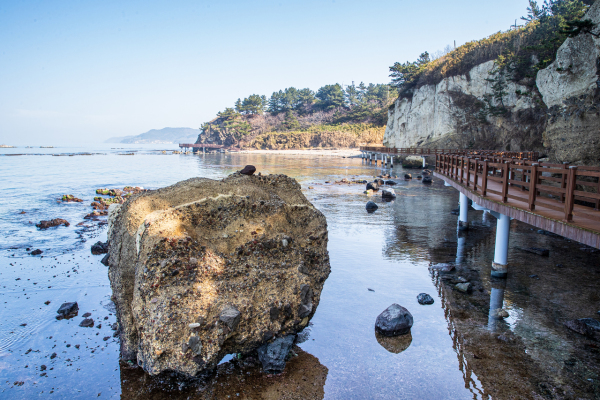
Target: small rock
x=395 y=320
x=36 y=252
x=372 y=186
x=87 y=314
x=47 y=302
x=370 y=290
x=194 y=325
x=272 y=355
x=105 y=338
x=427 y=180
x=195 y=345
x=87 y=323
x=51 y=223
x=443 y=268
x=105 y=260
x=371 y=206
x=379 y=182
x=53 y=356
x=585 y=326
x=390 y=183
x=388 y=193
x=407 y=176
x=424 y=298
x=465 y=287
x=248 y=170
x=43 y=367
x=68 y=310
x=100 y=248
x=230 y=316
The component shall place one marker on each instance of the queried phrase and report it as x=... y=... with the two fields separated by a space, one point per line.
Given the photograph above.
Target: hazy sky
x=83 y=71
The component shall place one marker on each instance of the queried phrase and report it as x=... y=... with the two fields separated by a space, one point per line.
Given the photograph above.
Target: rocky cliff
x=559 y=116
x=570 y=87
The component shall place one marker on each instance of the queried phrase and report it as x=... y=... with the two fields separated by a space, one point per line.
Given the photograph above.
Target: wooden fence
x=553 y=186
x=521 y=155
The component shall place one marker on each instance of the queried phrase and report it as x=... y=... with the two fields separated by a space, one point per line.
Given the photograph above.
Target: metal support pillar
x=463 y=221
x=500 y=264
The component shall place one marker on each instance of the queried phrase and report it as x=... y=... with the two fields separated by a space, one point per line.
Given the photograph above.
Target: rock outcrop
x=206 y=268
x=447 y=115
x=560 y=116
x=570 y=87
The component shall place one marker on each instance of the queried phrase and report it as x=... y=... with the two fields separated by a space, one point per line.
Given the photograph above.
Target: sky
x=82 y=71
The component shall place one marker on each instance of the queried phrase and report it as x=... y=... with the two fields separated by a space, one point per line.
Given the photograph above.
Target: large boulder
x=393 y=321
x=206 y=268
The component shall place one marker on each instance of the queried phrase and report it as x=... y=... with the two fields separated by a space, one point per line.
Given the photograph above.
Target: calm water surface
x=457 y=351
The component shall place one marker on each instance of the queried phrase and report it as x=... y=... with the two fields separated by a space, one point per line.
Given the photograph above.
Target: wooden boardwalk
x=560 y=198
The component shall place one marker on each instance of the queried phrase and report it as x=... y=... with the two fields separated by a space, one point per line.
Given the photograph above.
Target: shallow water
x=456 y=350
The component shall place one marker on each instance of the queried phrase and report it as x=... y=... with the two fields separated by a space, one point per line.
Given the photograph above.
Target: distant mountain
x=165 y=135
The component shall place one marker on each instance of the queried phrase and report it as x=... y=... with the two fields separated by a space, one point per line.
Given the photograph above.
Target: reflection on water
x=458 y=347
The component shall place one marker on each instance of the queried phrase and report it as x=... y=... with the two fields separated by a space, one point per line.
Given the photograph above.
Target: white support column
x=460 y=250
x=424 y=162
x=500 y=264
x=391 y=161
x=496 y=303
x=463 y=221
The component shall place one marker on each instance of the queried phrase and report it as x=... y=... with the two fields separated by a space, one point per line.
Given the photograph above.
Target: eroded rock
x=206 y=268
x=51 y=223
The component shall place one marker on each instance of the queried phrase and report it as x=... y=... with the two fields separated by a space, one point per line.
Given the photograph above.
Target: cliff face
x=560 y=117
x=461 y=111
x=570 y=87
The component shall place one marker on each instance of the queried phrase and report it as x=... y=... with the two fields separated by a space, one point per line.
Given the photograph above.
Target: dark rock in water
x=427 y=171
x=424 y=298
x=378 y=181
x=272 y=355
x=371 y=206
x=87 y=323
x=52 y=222
x=87 y=314
x=391 y=183
x=465 y=287
x=105 y=260
x=456 y=211
x=427 y=179
x=100 y=248
x=53 y=356
x=395 y=320
x=372 y=186
x=407 y=176
x=537 y=250
x=388 y=193
x=68 y=310
x=36 y=252
x=248 y=170
x=394 y=344
x=585 y=326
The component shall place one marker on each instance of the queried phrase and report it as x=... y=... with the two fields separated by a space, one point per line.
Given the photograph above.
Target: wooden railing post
x=468 y=171
x=570 y=195
x=532 y=186
x=484 y=178
x=563 y=182
x=475 y=170
x=505 y=169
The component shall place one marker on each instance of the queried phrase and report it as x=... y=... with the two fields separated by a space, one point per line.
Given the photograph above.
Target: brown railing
x=521 y=155
x=200 y=145
x=551 y=186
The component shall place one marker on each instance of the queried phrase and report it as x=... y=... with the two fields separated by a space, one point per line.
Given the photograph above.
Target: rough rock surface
x=68 y=310
x=371 y=206
x=51 y=223
x=206 y=268
x=393 y=321
x=388 y=193
x=99 y=248
x=424 y=298
x=444 y=115
x=570 y=87
x=272 y=355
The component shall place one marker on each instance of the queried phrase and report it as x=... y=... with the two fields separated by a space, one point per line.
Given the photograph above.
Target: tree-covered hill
x=333 y=116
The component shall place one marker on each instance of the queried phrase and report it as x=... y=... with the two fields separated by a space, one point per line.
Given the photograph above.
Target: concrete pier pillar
x=391 y=161
x=463 y=220
x=424 y=162
x=500 y=264
x=460 y=249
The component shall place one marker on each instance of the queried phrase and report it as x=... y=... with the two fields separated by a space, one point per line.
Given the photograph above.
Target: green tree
x=291 y=122
x=252 y=105
x=238 y=105
x=330 y=96
x=352 y=95
x=305 y=99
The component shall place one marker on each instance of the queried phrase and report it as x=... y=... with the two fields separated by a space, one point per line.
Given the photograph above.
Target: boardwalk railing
x=521 y=155
x=551 y=186
x=200 y=145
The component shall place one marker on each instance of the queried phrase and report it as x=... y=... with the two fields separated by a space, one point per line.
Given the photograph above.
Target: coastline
x=345 y=153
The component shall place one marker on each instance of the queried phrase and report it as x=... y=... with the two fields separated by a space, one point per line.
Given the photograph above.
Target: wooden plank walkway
x=544 y=196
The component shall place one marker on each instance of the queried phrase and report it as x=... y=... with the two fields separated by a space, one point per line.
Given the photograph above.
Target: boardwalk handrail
x=560 y=184
x=200 y=145
x=530 y=155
